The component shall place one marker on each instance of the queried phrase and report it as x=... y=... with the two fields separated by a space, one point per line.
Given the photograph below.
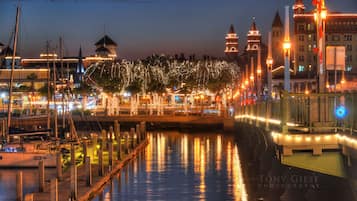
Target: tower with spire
x=299 y=7
x=253 y=38
x=231 y=50
x=79 y=69
x=277 y=40
x=106 y=47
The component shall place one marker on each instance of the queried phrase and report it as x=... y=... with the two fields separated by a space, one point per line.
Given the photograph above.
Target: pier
x=88 y=171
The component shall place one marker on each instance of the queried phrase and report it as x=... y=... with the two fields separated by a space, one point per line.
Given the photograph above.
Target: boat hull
x=26 y=160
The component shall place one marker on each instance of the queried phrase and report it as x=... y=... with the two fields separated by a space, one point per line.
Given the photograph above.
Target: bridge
x=316 y=132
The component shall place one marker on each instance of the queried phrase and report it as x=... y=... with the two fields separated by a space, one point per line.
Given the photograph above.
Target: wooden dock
x=87 y=192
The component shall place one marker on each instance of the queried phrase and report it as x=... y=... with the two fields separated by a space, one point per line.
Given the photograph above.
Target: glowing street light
x=320 y=16
x=287 y=47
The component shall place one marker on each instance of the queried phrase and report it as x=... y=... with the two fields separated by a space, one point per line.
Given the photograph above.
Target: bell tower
x=277 y=40
x=299 y=7
x=253 y=38
x=231 y=50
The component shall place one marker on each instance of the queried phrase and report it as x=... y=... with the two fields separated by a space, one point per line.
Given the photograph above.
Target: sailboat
x=25 y=148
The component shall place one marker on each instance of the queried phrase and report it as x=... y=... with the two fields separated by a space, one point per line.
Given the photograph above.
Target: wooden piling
x=132 y=133
x=85 y=150
x=110 y=147
x=54 y=190
x=41 y=176
x=73 y=156
x=104 y=137
x=143 y=129
x=88 y=171
x=116 y=129
x=126 y=135
x=118 y=149
x=94 y=144
x=100 y=161
x=138 y=135
x=19 y=187
x=111 y=133
x=74 y=185
x=59 y=166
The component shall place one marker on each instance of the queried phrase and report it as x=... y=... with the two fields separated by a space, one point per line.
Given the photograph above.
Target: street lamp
x=320 y=17
x=269 y=63
x=287 y=47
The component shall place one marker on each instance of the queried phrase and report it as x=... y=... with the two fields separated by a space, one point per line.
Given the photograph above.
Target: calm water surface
x=177 y=166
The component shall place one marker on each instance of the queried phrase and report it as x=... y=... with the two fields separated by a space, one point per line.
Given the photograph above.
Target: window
x=349 y=58
x=301 y=68
x=348 y=37
x=301 y=58
x=349 y=68
x=301 y=37
x=309 y=37
x=335 y=38
x=301 y=48
x=309 y=27
x=349 y=47
x=301 y=27
x=309 y=48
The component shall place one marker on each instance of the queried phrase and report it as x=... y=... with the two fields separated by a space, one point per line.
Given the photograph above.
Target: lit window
x=301 y=68
x=349 y=68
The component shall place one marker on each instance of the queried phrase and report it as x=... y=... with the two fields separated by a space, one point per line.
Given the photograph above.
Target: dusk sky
x=141 y=27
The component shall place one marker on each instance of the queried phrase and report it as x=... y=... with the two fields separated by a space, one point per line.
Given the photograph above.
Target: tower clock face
x=255 y=47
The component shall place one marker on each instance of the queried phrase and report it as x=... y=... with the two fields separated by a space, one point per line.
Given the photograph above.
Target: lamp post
x=259 y=74
x=269 y=63
x=320 y=17
x=287 y=47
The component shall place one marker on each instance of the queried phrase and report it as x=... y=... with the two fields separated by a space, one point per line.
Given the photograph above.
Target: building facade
x=232 y=44
x=341 y=30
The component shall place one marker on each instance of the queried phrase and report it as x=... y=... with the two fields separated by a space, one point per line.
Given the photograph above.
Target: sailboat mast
x=48 y=87
x=54 y=96
x=12 y=70
x=63 y=83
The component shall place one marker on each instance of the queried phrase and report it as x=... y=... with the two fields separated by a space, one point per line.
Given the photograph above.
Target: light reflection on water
x=30 y=182
x=178 y=166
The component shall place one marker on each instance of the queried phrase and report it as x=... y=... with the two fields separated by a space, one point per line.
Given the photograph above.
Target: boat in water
x=28 y=154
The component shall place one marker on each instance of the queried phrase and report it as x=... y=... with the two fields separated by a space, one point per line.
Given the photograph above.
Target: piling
x=126 y=134
x=132 y=133
x=116 y=130
x=59 y=166
x=54 y=190
x=100 y=161
x=111 y=133
x=73 y=156
x=88 y=170
x=94 y=145
x=104 y=137
x=41 y=176
x=85 y=150
x=19 y=189
x=138 y=137
x=110 y=147
x=74 y=187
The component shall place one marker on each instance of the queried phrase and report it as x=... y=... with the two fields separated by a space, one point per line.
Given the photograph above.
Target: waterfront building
x=106 y=48
x=232 y=45
x=341 y=30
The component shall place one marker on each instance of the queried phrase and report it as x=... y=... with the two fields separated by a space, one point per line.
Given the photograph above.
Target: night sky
x=141 y=27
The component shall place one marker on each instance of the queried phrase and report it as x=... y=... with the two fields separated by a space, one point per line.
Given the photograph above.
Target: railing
x=304 y=113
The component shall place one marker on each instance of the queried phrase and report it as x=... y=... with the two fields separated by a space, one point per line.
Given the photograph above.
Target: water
x=182 y=166
x=179 y=166
x=30 y=182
